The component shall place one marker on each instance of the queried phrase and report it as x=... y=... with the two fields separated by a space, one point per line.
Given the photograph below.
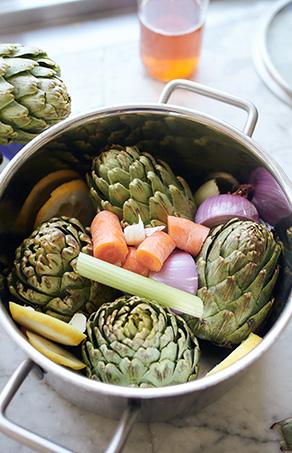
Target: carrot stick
x=132 y=264
x=108 y=239
x=154 y=250
x=187 y=235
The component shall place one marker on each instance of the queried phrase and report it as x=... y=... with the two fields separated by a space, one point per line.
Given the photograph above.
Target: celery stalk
x=129 y=282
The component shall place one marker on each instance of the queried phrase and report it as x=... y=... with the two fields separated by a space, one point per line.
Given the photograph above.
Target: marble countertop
x=101 y=66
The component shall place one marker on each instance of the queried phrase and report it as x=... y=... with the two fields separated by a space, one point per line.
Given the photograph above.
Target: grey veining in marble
x=101 y=66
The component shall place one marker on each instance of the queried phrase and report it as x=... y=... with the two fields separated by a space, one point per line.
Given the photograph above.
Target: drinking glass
x=170 y=36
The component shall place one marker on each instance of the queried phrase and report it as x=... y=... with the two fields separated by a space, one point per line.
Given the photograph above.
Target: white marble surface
x=101 y=67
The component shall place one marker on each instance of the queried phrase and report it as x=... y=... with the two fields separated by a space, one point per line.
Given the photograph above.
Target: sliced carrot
x=108 y=239
x=187 y=235
x=132 y=264
x=154 y=250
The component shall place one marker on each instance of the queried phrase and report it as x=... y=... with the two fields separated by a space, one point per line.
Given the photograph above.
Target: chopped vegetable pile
x=129 y=270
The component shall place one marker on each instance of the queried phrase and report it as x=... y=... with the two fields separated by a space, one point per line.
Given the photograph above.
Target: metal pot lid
x=273 y=52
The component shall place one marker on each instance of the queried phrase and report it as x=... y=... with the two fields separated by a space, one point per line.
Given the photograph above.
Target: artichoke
x=32 y=96
x=130 y=183
x=237 y=270
x=136 y=343
x=44 y=272
x=284 y=427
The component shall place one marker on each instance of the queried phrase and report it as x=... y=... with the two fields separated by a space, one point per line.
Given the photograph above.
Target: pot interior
x=192 y=145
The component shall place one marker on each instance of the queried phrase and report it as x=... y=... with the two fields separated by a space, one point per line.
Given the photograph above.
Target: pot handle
x=180 y=84
x=42 y=444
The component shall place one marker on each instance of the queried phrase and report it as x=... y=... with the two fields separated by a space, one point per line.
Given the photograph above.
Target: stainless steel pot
x=194 y=144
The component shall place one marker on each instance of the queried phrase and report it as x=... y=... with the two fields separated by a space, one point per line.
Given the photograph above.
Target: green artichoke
x=129 y=183
x=237 y=270
x=44 y=272
x=284 y=427
x=32 y=96
x=136 y=343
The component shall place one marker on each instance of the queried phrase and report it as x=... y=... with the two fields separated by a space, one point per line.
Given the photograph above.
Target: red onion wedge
x=221 y=208
x=268 y=197
x=179 y=271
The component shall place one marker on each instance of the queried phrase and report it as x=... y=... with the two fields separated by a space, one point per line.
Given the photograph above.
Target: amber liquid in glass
x=170 y=40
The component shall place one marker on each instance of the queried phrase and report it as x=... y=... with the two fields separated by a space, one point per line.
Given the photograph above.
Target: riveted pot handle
x=252 y=113
x=42 y=444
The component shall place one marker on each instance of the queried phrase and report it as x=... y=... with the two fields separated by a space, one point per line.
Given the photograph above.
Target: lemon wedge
x=244 y=348
x=46 y=325
x=54 y=352
x=40 y=194
x=70 y=199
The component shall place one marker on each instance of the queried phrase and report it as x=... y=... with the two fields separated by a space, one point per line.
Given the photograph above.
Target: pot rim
x=201 y=383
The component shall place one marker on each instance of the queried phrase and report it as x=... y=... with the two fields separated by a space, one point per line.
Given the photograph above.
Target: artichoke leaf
x=24 y=85
x=106 y=205
x=166 y=174
x=131 y=211
x=15 y=114
x=137 y=171
x=140 y=191
x=148 y=162
x=118 y=194
x=181 y=205
x=118 y=175
x=19 y=65
x=41 y=71
x=187 y=191
x=251 y=325
x=101 y=185
x=160 y=208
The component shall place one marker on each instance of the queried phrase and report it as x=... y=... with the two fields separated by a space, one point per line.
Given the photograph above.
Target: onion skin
x=268 y=197
x=221 y=208
x=206 y=190
x=218 y=183
x=179 y=271
x=152 y=230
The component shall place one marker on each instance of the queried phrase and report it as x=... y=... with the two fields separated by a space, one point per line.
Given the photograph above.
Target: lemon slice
x=39 y=195
x=244 y=348
x=46 y=325
x=54 y=352
x=70 y=199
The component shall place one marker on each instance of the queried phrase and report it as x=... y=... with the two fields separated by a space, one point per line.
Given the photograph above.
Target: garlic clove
x=135 y=234
x=78 y=321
